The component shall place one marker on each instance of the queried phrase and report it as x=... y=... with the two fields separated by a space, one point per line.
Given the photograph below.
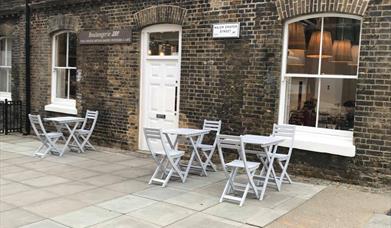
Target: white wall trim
x=61 y=108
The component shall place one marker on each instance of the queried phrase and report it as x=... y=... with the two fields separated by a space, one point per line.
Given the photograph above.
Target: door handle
x=176 y=100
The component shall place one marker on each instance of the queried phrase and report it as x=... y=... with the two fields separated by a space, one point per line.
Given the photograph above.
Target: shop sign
x=226 y=30
x=119 y=36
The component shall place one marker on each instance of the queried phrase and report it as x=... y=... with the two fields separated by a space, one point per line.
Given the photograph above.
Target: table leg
x=197 y=156
x=269 y=170
x=72 y=135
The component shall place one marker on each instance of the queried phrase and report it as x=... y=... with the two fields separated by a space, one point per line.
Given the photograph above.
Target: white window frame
x=339 y=142
x=60 y=104
x=7 y=94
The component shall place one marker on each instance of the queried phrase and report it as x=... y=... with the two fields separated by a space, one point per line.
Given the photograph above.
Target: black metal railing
x=11 y=116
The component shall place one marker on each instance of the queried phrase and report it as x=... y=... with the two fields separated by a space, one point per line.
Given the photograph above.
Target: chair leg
x=284 y=172
x=158 y=168
x=172 y=170
x=208 y=161
x=228 y=185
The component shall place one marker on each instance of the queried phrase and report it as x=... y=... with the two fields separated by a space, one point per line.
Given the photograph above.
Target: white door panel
x=160 y=77
x=161 y=91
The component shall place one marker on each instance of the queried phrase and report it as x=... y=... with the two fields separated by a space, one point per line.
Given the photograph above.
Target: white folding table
x=190 y=134
x=269 y=145
x=66 y=122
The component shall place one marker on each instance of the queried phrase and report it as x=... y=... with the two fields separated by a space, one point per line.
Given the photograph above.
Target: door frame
x=144 y=37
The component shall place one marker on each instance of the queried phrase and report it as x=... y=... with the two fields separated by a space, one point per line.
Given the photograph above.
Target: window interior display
x=321 y=71
x=64 y=69
x=5 y=65
x=163 y=44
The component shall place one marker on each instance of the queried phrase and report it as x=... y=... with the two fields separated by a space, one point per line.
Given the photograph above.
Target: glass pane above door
x=163 y=44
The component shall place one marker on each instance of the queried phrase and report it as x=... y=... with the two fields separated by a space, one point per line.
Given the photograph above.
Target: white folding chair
x=236 y=143
x=208 y=149
x=48 y=140
x=286 y=132
x=84 y=133
x=166 y=158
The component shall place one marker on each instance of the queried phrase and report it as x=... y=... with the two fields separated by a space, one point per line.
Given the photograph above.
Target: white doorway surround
x=160 y=78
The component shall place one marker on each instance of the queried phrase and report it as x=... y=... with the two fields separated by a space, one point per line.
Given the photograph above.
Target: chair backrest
x=213 y=126
x=224 y=142
x=155 y=140
x=36 y=123
x=90 y=120
x=242 y=153
x=285 y=131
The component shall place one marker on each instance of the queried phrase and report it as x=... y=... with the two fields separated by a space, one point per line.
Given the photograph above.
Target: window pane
x=9 y=52
x=72 y=84
x=4 y=80
x=301 y=101
x=72 y=49
x=345 y=34
x=337 y=102
x=66 y=83
x=303 y=46
x=2 y=52
x=163 y=43
x=61 y=49
x=61 y=83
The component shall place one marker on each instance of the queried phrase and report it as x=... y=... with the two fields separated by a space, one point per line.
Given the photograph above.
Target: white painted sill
x=5 y=95
x=324 y=141
x=61 y=108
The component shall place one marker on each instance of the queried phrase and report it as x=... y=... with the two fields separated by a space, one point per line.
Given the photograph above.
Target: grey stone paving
x=105 y=189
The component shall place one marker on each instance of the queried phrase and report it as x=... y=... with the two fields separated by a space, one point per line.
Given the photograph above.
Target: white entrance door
x=160 y=77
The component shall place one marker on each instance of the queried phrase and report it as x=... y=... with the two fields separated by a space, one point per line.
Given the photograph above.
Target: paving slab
x=379 y=221
x=125 y=221
x=17 y=217
x=201 y=220
x=28 y=197
x=69 y=188
x=129 y=186
x=96 y=195
x=84 y=217
x=159 y=193
x=126 y=204
x=336 y=207
x=45 y=181
x=13 y=188
x=162 y=214
x=104 y=179
x=54 y=207
x=194 y=201
x=6 y=206
x=47 y=223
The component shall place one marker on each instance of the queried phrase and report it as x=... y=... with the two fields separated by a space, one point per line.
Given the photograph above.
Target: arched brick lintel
x=7 y=29
x=292 y=8
x=62 y=22
x=161 y=14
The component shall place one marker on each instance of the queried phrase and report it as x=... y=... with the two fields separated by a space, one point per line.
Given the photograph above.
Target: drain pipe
x=27 y=67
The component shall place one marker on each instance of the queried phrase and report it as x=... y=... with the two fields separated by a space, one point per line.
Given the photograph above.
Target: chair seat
x=205 y=146
x=82 y=132
x=240 y=164
x=171 y=153
x=53 y=135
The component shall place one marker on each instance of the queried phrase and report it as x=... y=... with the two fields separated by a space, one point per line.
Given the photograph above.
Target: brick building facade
x=237 y=80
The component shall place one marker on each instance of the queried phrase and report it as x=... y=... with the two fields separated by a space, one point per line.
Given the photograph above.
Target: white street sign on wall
x=226 y=30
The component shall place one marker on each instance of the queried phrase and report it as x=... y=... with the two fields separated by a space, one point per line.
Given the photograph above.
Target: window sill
x=5 y=95
x=324 y=141
x=61 y=108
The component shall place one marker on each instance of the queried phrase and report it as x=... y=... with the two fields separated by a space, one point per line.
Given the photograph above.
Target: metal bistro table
x=190 y=134
x=269 y=144
x=67 y=121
